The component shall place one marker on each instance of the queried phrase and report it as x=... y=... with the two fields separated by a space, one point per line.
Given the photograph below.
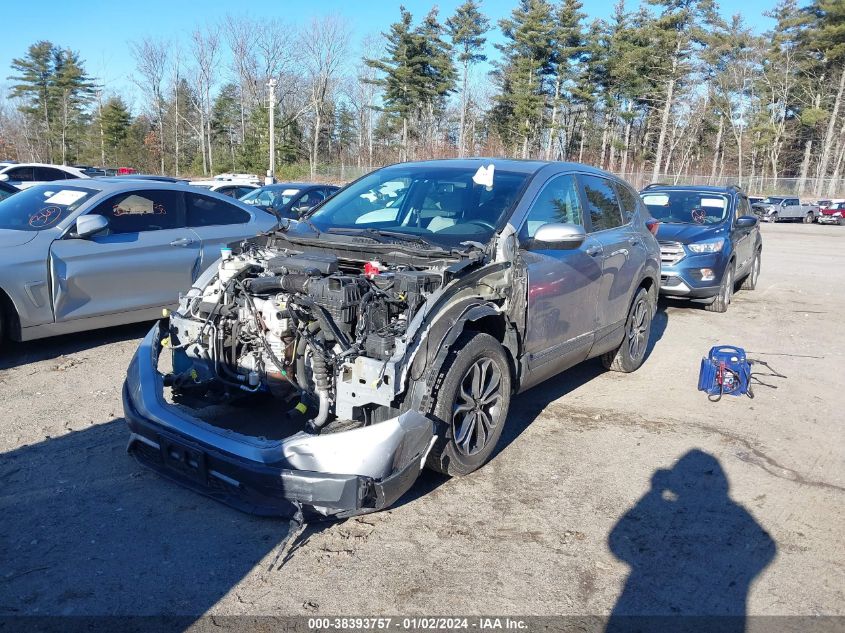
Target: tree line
x=668 y=88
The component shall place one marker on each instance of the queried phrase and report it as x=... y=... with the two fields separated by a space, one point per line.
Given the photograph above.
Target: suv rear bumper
x=338 y=474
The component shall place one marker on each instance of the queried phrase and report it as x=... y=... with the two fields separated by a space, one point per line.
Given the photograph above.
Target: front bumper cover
x=682 y=280
x=335 y=475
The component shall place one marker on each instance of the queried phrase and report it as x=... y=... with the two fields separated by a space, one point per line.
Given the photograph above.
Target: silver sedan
x=86 y=254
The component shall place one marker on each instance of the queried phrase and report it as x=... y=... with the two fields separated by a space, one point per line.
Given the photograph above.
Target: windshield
x=275 y=197
x=686 y=207
x=41 y=207
x=773 y=200
x=441 y=205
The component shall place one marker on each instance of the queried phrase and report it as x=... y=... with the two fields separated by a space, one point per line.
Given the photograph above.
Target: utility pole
x=271 y=103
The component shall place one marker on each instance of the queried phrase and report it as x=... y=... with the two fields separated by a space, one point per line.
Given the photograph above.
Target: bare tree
x=152 y=64
x=325 y=45
x=205 y=50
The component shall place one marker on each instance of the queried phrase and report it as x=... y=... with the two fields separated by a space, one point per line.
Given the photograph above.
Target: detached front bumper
x=830 y=219
x=337 y=474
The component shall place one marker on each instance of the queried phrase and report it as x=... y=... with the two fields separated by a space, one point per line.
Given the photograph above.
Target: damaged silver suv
x=316 y=369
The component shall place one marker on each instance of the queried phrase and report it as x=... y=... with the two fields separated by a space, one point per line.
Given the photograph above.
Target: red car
x=831 y=212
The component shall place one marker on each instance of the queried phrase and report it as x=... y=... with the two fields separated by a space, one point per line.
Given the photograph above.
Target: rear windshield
x=41 y=207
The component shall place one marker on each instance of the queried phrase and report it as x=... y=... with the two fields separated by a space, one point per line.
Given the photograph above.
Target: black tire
x=726 y=291
x=841 y=221
x=773 y=218
x=809 y=218
x=630 y=354
x=471 y=423
x=750 y=281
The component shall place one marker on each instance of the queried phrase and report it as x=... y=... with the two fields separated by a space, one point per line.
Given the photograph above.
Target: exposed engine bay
x=315 y=331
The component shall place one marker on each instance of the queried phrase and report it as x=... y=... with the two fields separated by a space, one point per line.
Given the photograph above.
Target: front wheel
x=726 y=291
x=773 y=217
x=472 y=397
x=629 y=356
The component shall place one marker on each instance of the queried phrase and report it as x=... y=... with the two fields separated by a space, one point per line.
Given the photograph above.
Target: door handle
x=594 y=250
x=634 y=241
x=182 y=241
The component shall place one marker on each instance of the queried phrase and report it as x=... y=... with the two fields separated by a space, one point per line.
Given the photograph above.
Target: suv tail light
x=652 y=225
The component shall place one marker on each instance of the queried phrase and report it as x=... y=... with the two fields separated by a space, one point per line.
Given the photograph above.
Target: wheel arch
x=9 y=314
x=470 y=316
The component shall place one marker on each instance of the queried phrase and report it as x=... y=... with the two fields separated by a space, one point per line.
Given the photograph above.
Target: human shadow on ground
x=693 y=553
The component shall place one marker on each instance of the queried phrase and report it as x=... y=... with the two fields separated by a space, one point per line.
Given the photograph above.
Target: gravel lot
x=746 y=512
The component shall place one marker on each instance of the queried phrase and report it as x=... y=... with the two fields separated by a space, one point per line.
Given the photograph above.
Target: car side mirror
x=746 y=221
x=559 y=236
x=4 y=177
x=89 y=225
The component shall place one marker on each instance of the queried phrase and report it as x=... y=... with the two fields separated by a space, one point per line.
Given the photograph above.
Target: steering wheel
x=699 y=215
x=483 y=223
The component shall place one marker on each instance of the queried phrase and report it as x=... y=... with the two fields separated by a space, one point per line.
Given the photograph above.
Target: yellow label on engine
x=301 y=407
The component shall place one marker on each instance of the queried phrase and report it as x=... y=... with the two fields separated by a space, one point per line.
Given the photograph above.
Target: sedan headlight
x=708 y=246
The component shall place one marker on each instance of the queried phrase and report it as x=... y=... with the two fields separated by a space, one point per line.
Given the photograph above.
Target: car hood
x=688 y=233
x=11 y=237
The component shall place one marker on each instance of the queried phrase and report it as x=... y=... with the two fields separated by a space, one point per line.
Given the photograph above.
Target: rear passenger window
x=601 y=203
x=203 y=211
x=558 y=202
x=139 y=211
x=628 y=200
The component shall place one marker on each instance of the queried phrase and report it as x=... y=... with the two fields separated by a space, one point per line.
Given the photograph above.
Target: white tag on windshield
x=718 y=203
x=65 y=197
x=484 y=176
x=290 y=192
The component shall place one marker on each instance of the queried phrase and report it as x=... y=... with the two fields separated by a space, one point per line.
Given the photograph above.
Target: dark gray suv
x=389 y=329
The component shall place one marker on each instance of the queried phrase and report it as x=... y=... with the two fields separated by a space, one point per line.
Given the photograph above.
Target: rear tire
x=750 y=281
x=809 y=218
x=630 y=354
x=726 y=291
x=472 y=396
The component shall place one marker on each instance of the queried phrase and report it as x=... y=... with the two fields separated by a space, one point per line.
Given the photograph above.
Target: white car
x=232 y=189
x=25 y=175
x=248 y=178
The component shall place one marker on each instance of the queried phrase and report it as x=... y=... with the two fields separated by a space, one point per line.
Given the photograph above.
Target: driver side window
x=558 y=202
x=139 y=211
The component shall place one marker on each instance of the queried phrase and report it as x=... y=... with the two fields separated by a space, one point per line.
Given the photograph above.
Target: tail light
x=652 y=224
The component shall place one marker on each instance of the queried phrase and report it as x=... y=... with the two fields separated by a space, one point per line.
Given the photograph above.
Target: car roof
x=67 y=168
x=120 y=184
x=505 y=164
x=704 y=188
x=295 y=185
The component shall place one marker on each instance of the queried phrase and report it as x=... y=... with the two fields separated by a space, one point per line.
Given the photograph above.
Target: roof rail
x=655 y=184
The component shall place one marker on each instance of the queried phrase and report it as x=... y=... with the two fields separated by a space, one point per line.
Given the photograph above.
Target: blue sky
x=101 y=30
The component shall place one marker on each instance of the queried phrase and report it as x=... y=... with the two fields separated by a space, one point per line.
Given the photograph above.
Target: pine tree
x=34 y=87
x=116 y=122
x=523 y=72
x=466 y=29
x=568 y=49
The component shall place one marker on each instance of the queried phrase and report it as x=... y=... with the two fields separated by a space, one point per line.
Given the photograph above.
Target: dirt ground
x=611 y=493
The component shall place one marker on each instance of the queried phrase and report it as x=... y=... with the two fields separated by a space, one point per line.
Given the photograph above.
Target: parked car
x=402 y=336
x=25 y=175
x=251 y=179
x=752 y=200
x=709 y=241
x=832 y=213
x=153 y=177
x=7 y=190
x=227 y=188
x=778 y=208
x=78 y=255
x=289 y=200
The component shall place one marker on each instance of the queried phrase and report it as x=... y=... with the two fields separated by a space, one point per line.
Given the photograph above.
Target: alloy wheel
x=477 y=406
x=638 y=330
